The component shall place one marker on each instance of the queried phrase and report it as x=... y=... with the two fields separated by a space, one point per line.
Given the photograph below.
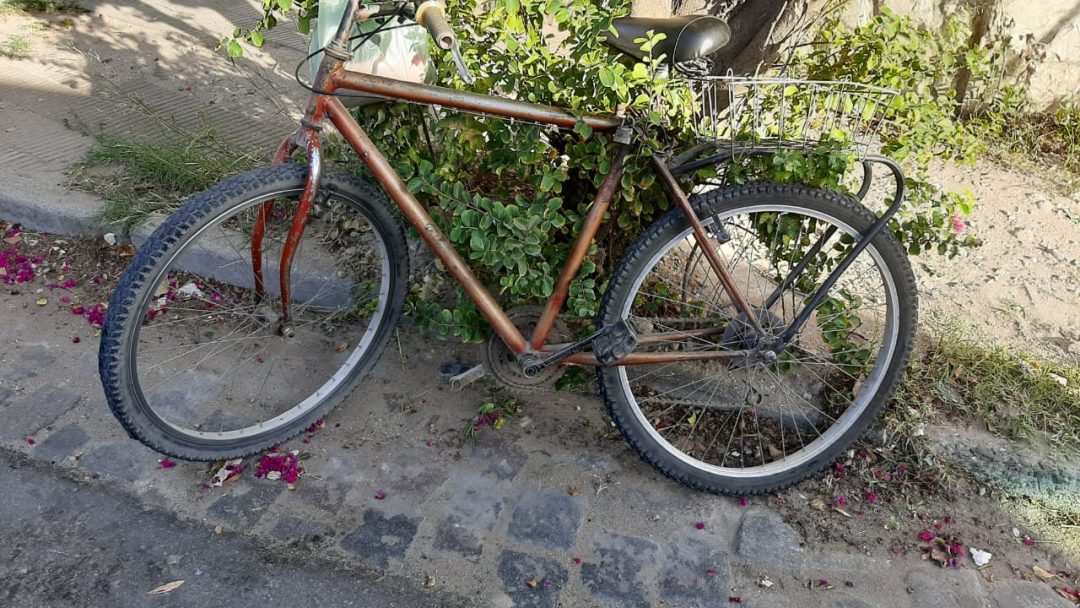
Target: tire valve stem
x=287 y=330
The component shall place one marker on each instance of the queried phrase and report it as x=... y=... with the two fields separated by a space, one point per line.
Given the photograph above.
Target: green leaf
x=257 y=38
x=607 y=77
x=476 y=241
x=234 y=49
x=284 y=5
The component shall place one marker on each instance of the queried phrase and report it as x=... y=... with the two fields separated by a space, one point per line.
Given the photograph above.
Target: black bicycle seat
x=686 y=38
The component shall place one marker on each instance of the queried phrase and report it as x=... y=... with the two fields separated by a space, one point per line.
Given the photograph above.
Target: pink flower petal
x=700 y=525
x=30 y=441
x=167 y=464
x=958 y=225
x=926 y=536
x=381 y=494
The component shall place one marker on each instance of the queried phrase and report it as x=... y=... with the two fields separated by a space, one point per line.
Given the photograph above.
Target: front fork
x=307 y=136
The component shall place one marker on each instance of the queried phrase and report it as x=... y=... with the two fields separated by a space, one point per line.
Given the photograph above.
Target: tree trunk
x=981 y=17
x=751 y=24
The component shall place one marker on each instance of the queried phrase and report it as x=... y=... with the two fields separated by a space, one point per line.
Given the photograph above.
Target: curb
x=66 y=212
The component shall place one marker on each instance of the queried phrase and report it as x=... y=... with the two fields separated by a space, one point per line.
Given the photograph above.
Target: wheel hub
x=741 y=335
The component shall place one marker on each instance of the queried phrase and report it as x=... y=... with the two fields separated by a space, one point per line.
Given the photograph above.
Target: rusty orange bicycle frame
x=323 y=106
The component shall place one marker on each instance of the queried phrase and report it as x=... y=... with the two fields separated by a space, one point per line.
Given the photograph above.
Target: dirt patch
x=1022 y=285
x=71 y=274
x=873 y=503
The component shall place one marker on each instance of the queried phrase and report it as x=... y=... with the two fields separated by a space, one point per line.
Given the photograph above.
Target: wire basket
x=789 y=113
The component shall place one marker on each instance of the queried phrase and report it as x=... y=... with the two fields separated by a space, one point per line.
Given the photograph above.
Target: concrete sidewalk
x=552 y=510
x=136 y=70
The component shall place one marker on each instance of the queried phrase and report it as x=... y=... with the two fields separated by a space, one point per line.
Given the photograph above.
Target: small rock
x=980 y=557
x=1059 y=379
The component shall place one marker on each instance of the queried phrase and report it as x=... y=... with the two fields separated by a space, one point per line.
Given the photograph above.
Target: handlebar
x=432 y=15
x=429 y=13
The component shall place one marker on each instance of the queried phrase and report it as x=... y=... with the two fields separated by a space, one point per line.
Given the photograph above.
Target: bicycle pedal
x=614 y=342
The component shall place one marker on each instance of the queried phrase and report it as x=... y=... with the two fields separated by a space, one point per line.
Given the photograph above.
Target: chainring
x=502 y=364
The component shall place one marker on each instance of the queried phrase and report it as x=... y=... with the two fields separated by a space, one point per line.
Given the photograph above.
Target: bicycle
x=747 y=338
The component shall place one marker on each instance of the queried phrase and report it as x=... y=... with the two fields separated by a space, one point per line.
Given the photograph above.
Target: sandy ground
x=1022 y=285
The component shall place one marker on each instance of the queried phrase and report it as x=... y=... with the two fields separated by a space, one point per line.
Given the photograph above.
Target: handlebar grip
x=432 y=15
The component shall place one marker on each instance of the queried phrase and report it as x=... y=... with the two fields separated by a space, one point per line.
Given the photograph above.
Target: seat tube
x=589 y=228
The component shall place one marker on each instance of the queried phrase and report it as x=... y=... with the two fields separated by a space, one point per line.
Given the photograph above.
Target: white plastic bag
x=400 y=53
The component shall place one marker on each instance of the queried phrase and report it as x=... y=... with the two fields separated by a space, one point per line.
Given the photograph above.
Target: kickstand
x=461 y=375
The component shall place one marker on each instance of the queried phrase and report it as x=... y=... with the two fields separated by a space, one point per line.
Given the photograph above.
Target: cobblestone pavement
x=551 y=510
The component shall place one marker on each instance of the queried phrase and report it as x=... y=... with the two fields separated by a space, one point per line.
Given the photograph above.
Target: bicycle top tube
x=333 y=76
x=465 y=100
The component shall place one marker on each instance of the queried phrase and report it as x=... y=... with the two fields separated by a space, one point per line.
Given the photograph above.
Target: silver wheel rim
x=851 y=414
x=310 y=403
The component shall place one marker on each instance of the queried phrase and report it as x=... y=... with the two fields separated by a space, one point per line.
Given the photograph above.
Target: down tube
x=419 y=218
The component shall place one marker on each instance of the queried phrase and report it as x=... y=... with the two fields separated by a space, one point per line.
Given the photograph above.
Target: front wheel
x=755 y=424
x=198 y=365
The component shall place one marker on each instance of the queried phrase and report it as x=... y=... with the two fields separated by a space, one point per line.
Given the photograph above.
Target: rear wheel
x=196 y=365
x=757 y=423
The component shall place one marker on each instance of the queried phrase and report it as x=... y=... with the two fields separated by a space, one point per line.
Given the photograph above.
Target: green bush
x=894 y=52
x=511 y=196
